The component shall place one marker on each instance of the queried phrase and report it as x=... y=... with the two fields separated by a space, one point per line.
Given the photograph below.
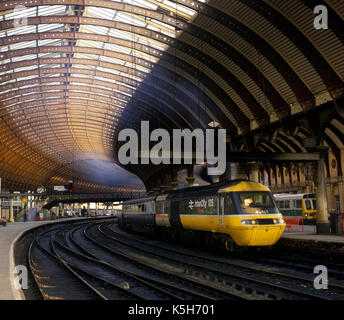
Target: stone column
x=323 y=226
x=0 y=201
x=173 y=185
x=341 y=195
x=254 y=172
x=190 y=181
x=330 y=197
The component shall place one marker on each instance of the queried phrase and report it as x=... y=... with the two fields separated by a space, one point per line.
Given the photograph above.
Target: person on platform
x=83 y=211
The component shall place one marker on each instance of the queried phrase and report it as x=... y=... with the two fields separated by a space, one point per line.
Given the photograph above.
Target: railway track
x=292 y=277
x=98 y=261
x=292 y=265
x=94 y=278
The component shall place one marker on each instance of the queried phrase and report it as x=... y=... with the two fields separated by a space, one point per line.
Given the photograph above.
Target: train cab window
x=308 y=204
x=314 y=203
x=256 y=202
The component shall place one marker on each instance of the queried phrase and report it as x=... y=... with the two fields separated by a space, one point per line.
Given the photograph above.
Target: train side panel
x=162 y=211
x=138 y=216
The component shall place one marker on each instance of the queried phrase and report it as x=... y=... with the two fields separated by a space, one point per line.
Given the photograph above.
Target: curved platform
x=8 y=237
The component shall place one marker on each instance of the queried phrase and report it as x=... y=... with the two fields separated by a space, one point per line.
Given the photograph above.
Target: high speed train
x=301 y=205
x=240 y=213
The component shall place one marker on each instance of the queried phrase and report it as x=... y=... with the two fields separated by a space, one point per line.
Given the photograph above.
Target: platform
x=309 y=233
x=8 y=236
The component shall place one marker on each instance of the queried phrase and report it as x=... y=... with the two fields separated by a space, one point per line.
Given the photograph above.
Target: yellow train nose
x=258 y=235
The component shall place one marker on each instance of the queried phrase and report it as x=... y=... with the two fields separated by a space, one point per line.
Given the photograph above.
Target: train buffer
x=290 y=222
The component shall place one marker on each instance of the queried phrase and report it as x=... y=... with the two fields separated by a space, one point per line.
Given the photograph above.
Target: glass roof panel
x=65 y=88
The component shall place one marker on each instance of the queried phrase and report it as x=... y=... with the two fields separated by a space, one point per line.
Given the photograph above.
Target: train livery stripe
x=233 y=215
x=164 y=216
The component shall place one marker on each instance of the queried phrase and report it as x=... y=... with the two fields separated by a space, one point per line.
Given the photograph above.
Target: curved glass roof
x=72 y=72
x=69 y=68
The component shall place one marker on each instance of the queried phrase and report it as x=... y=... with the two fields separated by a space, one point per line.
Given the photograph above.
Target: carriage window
x=281 y=204
x=287 y=204
x=166 y=207
x=298 y=204
x=159 y=207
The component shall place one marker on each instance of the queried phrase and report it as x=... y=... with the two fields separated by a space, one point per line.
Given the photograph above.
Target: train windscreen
x=256 y=202
x=314 y=202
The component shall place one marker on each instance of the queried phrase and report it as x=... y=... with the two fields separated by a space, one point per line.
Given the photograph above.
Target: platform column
x=322 y=223
x=173 y=185
x=11 y=211
x=255 y=172
x=341 y=196
x=0 y=201
x=190 y=181
x=330 y=197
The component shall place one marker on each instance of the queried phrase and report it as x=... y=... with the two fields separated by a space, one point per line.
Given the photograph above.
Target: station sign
x=5 y=204
x=60 y=188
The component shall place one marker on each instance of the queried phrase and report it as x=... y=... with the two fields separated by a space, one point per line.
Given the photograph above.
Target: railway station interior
x=264 y=79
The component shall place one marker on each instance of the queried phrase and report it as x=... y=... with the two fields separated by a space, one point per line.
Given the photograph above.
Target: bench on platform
x=290 y=222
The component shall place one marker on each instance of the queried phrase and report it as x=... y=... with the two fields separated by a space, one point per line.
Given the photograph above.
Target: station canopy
x=73 y=72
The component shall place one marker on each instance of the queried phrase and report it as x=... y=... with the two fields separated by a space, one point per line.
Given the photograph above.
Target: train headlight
x=278 y=221
x=249 y=222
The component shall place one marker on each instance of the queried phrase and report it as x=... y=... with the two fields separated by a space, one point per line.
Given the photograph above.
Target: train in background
x=240 y=213
x=301 y=205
